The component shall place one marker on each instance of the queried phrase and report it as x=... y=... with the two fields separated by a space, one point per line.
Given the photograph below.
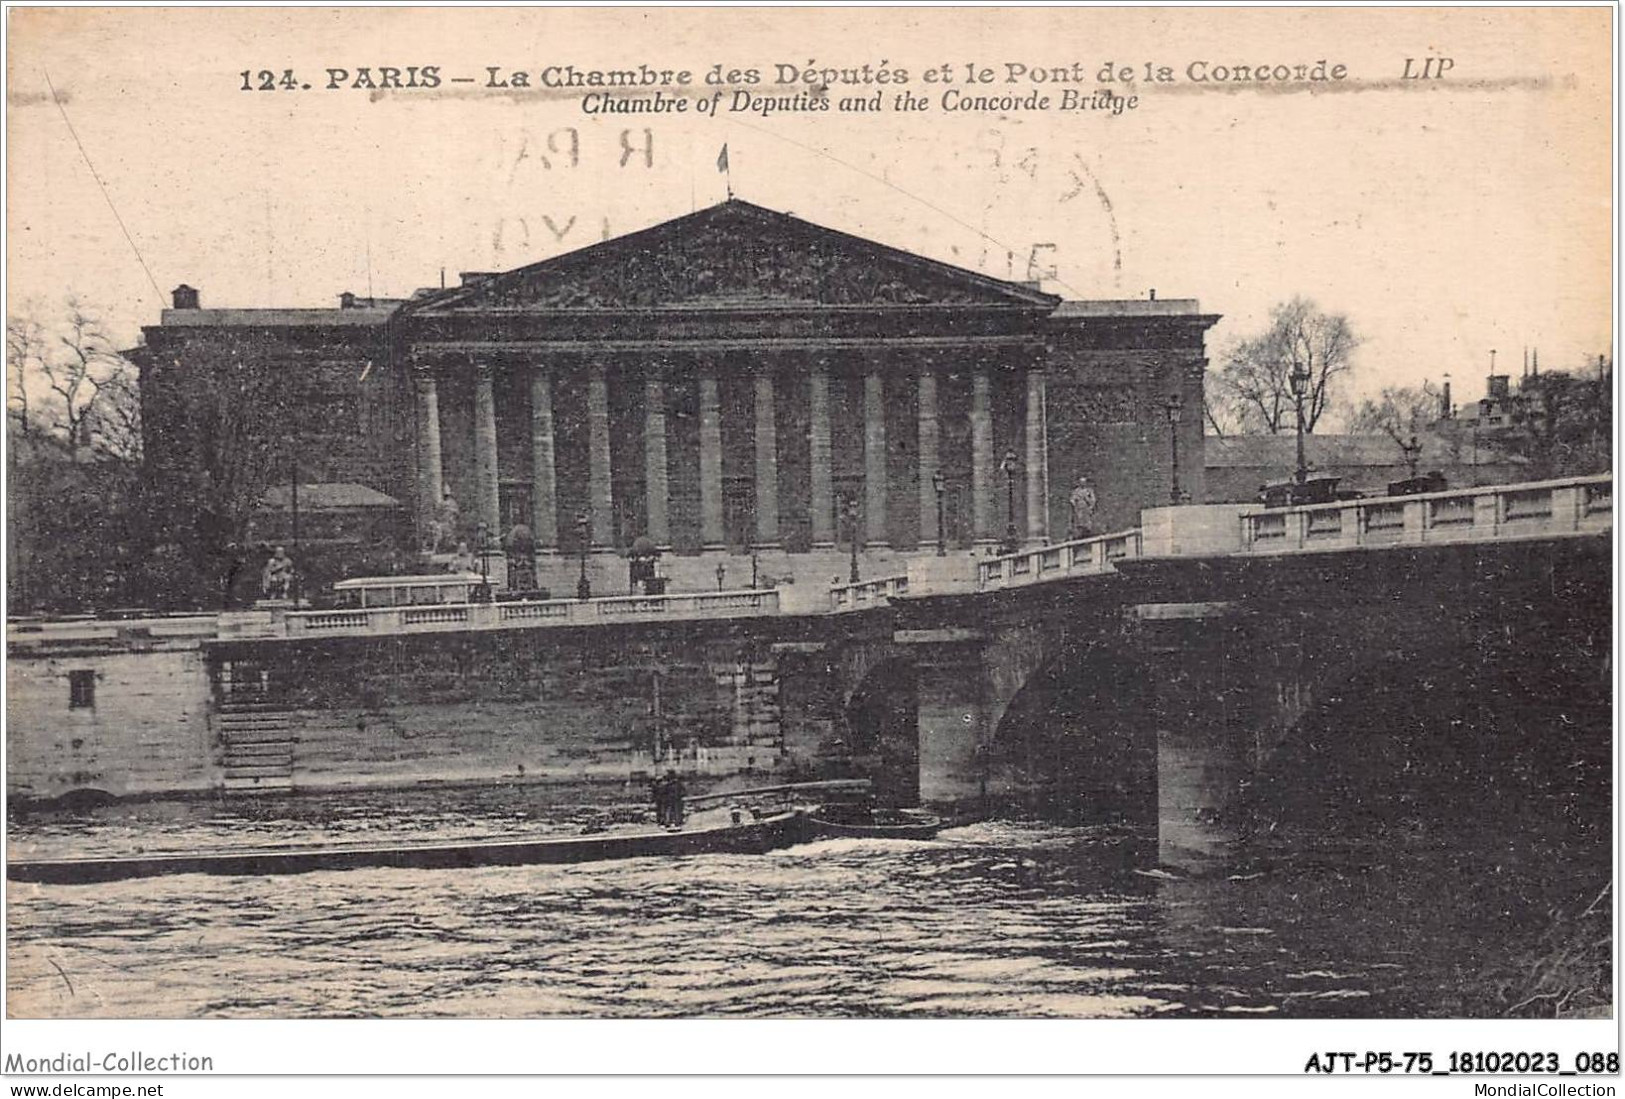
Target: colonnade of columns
x=600 y=495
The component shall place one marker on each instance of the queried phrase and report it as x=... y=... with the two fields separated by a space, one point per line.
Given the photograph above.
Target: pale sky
x=1445 y=217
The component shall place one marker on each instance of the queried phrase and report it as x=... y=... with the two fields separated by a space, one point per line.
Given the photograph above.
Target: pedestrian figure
x=677 y=792
x=660 y=789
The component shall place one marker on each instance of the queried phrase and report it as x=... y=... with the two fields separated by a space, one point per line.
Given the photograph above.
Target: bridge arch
x=881 y=715
x=1485 y=725
x=1076 y=740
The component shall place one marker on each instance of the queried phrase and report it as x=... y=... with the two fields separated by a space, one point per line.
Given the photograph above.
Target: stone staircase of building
x=256 y=741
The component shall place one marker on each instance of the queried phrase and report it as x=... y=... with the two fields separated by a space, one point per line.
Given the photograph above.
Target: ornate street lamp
x=1008 y=465
x=583 y=531
x=1174 y=406
x=1413 y=453
x=940 y=483
x=755 y=566
x=482 y=540
x=722 y=571
x=1299 y=380
x=849 y=510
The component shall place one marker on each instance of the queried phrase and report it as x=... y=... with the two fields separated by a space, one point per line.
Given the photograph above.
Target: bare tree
x=114 y=418
x=65 y=380
x=1253 y=389
x=24 y=350
x=1398 y=412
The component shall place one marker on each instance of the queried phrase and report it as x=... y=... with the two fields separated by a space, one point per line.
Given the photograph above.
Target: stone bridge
x=1209 y=671
x=1221 y=664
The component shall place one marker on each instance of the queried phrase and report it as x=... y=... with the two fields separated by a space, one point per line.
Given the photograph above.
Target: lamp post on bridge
x=1299 y=380
x=722 y=571
x=583 y=531
x=1008 y=465
x=849 y=511
x=939 y=482
x=1174 y=407
x=1413 y=454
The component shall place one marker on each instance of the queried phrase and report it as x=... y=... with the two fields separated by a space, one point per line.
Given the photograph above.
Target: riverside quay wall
x=177 y=706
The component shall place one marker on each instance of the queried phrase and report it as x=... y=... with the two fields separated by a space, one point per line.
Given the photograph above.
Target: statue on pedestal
x=1083 y=502
x=443 y=527
x=276 y=579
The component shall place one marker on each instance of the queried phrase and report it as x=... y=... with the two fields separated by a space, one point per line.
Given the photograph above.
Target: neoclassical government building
x=740 y=387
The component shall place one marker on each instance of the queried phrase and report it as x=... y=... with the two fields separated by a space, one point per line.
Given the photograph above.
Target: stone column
x=655 y=484
x=874 y=459
x=821 y=459
x=485 y=453
x=1037 y=508
x=767 y=463
x=981 y=456
x=431 y=478
x=599 y=490
x=712 y=535
x=929 y=461
x=544 y=489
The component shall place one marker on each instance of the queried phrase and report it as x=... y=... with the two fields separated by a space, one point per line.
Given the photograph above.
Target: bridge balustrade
x=1081 y=557
x=1566 y=507
x=530 y=614
x=1541 y=509
x=867 y=593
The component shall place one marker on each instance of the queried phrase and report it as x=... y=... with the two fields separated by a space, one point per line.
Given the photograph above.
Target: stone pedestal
x=1201 y=530
x=951 y=574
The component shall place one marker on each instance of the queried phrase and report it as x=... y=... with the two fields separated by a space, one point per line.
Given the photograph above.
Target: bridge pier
x=955 y=741
x=1205 y=730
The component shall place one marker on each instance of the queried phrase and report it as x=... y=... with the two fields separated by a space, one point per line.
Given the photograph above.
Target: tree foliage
x=76 y=500
x=1398 y=412
x=1252 y=391
x=1564 y=423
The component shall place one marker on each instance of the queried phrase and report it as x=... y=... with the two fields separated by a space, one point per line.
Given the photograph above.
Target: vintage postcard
x=852 y=513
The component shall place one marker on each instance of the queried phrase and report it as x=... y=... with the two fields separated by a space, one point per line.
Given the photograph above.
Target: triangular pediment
x=733 y=255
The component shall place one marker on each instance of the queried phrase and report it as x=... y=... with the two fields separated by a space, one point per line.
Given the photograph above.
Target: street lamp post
x=1008 y=465
x=583 y=531
x=939 y=482
x=1413 y=453
x=1300 y=384
x=722 y=571
x=1174 y=407
x=849 y=510
x=293 y=487
x=755 y=566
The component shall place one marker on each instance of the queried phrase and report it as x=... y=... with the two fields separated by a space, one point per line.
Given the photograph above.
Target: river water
x=1002 y=918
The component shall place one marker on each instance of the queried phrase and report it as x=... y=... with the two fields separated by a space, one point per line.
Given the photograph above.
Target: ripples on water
x=994 y=919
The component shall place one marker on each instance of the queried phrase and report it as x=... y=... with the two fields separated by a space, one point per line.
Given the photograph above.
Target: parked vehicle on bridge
x=1311 y=490
x=1415 y=486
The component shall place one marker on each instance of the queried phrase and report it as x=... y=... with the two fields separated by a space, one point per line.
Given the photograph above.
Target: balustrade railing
x=1573 y=505
x=553 y=612
x=1082 y=557
x=867 y=593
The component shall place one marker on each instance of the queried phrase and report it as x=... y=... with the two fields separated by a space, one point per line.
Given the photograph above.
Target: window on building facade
x=81 y=689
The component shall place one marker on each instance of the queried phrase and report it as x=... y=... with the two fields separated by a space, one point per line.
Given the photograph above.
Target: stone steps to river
x=256 y=741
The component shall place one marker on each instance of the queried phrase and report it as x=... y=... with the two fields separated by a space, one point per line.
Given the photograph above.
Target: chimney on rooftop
x=347 y=300
x=1153 y=293
x=185 y=297
x=1444 y=401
